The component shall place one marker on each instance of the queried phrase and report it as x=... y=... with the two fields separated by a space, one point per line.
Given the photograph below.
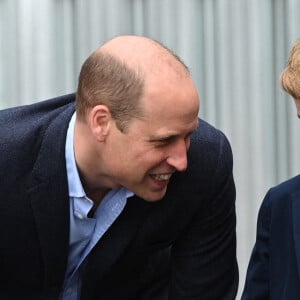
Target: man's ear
x=100 y=120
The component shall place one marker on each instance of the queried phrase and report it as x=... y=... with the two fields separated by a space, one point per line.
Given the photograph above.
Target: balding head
x=115 y=75
x=137 y=106
x=142 y=53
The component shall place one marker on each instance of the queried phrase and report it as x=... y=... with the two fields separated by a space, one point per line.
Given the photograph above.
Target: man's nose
x=178 y=156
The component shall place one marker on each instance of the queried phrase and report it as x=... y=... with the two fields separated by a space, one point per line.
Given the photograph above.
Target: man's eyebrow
x=162 y=137
x=168 y=136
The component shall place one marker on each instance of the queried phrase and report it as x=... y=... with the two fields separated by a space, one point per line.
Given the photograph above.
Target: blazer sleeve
x=257 y=277
x=204 y=262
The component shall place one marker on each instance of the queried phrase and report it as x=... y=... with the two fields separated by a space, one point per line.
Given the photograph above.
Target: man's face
x=146 y=155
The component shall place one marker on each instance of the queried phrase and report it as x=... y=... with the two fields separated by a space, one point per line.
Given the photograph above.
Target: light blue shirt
x=85 y=232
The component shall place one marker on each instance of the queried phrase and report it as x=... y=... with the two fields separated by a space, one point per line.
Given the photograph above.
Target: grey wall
x=235 y=49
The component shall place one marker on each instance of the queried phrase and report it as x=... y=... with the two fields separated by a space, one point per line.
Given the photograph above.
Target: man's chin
x=154 y=197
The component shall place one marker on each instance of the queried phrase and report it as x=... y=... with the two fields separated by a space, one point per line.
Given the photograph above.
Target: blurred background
x=235 y=49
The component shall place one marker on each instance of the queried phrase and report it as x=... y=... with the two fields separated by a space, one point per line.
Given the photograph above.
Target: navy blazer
x=273 y=271
x=182 y=247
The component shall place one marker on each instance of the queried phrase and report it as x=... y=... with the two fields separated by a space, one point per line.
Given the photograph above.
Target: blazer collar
x=116 y=239
x=48 y=191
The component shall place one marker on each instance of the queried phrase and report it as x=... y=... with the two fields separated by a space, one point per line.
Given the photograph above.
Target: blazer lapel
x=296 y=226
x=50 y=206
x=48 y=191
x=116 y=239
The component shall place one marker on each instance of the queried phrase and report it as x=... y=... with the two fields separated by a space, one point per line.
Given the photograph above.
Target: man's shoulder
x=209 y=145
x=36 y=112
x=40 y=106
x=26 y=125
x=206 y=131
x=56 y=102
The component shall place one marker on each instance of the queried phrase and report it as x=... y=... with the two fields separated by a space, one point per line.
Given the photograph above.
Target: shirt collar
x=74 y=183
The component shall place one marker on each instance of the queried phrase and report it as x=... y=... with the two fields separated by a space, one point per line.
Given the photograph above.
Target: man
x=273 y=271
x=95 y=204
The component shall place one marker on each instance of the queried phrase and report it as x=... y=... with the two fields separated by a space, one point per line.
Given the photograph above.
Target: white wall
x=235 y=49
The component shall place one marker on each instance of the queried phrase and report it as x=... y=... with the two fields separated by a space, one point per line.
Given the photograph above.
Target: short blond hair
x=290 y=77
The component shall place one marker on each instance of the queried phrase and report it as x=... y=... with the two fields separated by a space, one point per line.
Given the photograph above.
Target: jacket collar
x=115 y=240
x=48 y=192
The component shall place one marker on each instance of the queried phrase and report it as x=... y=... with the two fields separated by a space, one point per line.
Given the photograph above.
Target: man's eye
x=164 y=141
x=161 y=143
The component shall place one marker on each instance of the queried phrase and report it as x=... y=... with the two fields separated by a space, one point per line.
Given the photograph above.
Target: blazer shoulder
x=23 y=129
x=210 y=147
x=36 y=108
x=207 y=132
x=278 y=199
x=20 y=117
x=285 y=188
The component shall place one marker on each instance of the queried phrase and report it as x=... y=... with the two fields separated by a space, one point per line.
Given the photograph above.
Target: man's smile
x=161 y=177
